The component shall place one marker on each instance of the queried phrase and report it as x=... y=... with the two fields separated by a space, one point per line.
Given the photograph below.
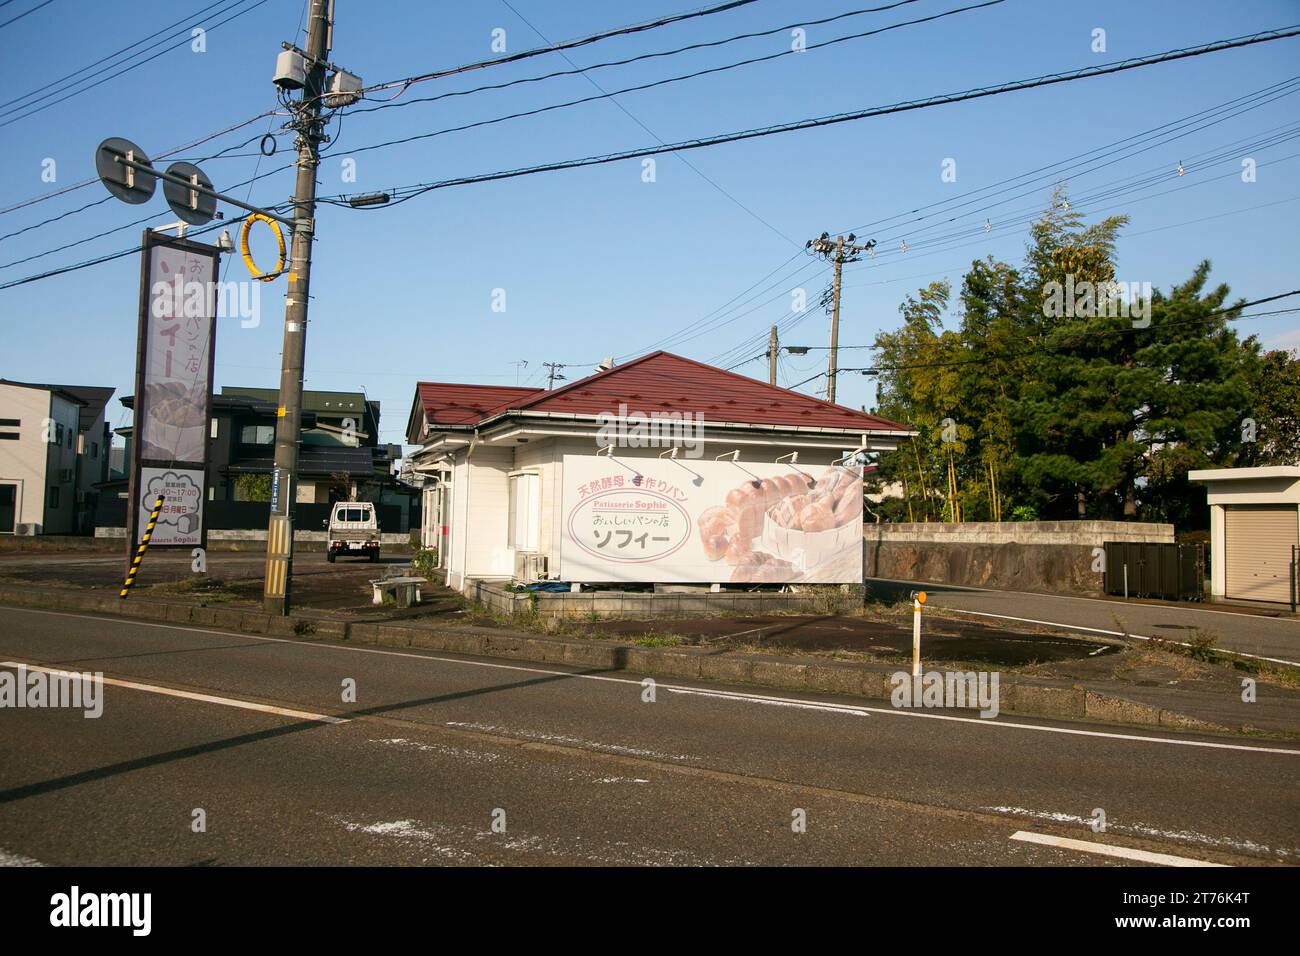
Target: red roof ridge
x=545 y=395
x=513 y=388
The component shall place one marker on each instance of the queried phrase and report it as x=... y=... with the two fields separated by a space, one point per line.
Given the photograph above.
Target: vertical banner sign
x=173 y=390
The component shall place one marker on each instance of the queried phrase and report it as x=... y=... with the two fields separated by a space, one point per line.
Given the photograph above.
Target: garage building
x=1254 y=532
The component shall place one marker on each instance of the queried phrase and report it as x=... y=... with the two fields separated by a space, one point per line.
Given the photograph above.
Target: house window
x=58 y=433
x=525 y=511
x=54 y=496
x=94 y=449
x=257 y=435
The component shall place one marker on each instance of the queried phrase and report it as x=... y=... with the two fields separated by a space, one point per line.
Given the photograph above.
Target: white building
x=54 y=448
x=1254 y=532
x=515 y=471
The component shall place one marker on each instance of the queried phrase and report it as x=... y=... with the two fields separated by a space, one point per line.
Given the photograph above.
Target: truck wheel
x=329 y=556
x=374 y=556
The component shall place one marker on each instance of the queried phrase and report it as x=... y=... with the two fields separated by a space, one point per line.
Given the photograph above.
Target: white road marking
x=771 y=701
x=569 y=741
x=16 y=859
x=190 y=695
x=1106 y=849
x=1100 y=630
x=1132 y=602
x=839 y=708
x=1142 y=829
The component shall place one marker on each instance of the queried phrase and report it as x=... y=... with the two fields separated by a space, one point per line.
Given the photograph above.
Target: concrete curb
x=1023 y=696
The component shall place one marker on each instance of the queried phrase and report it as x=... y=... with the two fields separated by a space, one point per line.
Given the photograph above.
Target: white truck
x=353 y=529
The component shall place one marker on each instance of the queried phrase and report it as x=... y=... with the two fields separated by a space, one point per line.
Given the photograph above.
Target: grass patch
x=660 y=640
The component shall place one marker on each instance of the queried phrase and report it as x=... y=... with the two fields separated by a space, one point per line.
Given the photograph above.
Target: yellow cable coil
x=248 y=259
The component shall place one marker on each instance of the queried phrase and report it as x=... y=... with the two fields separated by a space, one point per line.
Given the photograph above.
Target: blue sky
x=596 y=261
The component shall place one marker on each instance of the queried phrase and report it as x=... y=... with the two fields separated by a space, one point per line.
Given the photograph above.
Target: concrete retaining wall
x=497 y=597
x=1047 y=556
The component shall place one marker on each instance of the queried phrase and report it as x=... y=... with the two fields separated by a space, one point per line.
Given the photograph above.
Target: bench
x=406 y=590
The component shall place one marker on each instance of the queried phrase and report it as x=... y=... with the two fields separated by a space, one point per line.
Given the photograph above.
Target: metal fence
x=1172 y=572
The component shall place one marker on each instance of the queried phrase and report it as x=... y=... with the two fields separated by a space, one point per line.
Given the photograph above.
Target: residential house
x=511 y=472
x=54 y=451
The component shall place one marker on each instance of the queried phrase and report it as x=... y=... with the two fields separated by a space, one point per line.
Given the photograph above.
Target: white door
x=1258 y=542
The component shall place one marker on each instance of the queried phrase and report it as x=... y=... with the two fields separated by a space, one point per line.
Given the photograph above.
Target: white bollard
x=918 y=598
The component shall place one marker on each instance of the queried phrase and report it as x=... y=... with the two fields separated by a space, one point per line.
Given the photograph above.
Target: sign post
x=918 y=598
x=175 y=352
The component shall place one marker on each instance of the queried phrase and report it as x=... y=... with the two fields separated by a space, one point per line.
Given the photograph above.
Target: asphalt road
x=1276 y=637
x=578 y=767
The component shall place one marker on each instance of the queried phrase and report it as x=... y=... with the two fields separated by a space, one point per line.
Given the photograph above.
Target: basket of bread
x=779 y=530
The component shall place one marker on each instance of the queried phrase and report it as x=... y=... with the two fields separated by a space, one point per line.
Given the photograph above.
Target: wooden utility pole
x=835 y=321
x=307 y=123
x=839 y=252
x=771 y=357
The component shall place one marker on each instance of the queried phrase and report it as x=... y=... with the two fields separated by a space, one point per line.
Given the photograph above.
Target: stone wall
x=1045 y=556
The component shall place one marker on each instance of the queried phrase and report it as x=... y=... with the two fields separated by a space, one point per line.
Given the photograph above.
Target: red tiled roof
x=658 y=382
x=449 y=404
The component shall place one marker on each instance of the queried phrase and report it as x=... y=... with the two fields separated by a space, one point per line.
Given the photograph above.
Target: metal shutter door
x=1258 y=541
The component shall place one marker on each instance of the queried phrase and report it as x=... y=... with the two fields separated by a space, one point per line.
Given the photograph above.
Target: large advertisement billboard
x=173 y=393
x=661 y=520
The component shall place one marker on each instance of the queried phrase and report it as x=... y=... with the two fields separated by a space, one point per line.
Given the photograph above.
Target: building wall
x=478 y=547
x=44 y=468
x=480 y=509
x=1281 y=490
x=23 y=461
x=92 y=468
x=61 y=468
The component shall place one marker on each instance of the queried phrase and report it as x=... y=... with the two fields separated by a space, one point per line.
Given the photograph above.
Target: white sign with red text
x=659 y=520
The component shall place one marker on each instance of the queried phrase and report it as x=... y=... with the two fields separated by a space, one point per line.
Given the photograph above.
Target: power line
x=127 y=69
x=1105 y=149
x=394 y=104
x=1288 y=86
x=46 y=3
x=108 y=232
x=567 y=45
x=628 y=113
x=171 y=152
x=1210 y=317
x=537 y=111
x=90 y=66
x=418 y=189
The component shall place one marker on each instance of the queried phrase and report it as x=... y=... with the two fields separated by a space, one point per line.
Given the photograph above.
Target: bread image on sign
x=787 y=529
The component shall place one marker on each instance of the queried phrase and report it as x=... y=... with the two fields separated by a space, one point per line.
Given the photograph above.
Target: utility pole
x=553 y=373
x=279 y=537
x=771 y=357
x=840 y=251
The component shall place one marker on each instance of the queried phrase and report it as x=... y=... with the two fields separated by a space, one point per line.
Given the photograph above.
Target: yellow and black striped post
x=144 y=546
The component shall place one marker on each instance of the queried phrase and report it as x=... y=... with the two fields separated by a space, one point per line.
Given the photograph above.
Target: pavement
x=1271 y=634
x=452 y=759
